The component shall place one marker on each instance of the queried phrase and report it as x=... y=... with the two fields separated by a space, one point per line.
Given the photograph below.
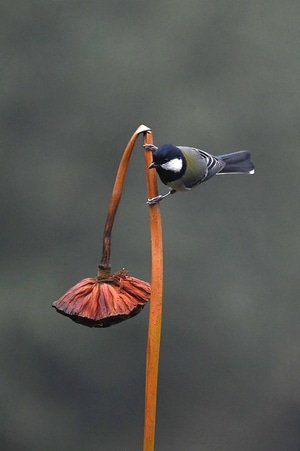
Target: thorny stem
x=155 y=313
x=104 y=265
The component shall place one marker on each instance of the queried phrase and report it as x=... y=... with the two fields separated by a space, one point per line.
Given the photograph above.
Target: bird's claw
x=155 y=200
x=151 y=147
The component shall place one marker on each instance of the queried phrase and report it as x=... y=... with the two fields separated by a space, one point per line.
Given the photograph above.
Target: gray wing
x=206 y=165
x=213 y=164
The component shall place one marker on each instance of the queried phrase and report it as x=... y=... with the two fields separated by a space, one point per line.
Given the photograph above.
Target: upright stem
x=155 y=313
x=104 y=265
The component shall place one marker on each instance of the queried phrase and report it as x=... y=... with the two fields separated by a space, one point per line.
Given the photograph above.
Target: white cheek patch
x=174 y=165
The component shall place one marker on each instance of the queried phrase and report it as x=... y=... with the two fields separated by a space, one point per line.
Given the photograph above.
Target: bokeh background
x=77 y=78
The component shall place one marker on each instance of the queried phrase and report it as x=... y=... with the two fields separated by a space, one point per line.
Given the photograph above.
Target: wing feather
x=202 y=168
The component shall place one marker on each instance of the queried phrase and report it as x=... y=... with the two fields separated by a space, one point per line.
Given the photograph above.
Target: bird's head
x=167 y=159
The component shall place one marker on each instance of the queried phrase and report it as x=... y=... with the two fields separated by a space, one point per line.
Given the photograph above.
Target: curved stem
x=104 y=265
x=155 y=313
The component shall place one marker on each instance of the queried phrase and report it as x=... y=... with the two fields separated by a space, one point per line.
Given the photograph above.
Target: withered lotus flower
x=98 y=302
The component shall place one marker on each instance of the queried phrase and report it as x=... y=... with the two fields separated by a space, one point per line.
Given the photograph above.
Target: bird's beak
x=152 y=165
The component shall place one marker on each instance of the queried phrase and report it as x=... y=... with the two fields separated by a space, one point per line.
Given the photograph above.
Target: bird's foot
x=155 y=200
x=151 y=147
x=159 y=198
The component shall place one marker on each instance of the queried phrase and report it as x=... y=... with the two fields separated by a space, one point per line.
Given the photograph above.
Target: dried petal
x=102 y=303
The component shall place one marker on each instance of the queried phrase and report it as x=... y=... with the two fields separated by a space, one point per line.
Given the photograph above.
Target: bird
x=182 y=168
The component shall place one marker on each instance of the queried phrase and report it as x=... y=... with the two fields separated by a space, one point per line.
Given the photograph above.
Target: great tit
x=182 y=168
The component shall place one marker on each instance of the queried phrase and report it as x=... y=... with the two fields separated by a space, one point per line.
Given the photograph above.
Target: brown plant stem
x=104 y=265
x=155 y=312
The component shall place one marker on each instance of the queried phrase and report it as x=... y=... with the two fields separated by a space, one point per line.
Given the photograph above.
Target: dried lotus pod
x=97 y=302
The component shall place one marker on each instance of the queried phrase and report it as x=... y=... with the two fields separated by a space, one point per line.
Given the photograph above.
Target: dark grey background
x=77 y=78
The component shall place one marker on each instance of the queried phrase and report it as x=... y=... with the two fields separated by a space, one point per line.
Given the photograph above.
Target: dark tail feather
x=237 y=163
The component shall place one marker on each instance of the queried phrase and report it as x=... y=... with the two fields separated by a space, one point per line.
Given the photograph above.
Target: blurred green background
x=77 y=78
